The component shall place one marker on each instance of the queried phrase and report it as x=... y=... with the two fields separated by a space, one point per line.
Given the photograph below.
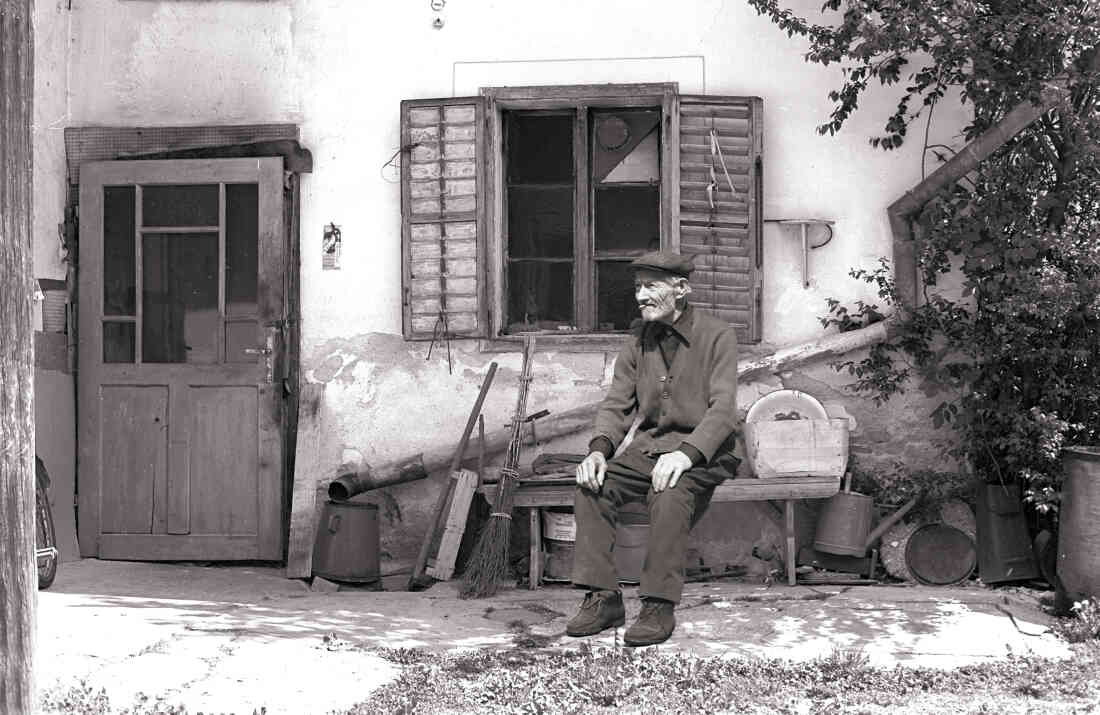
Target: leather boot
x=654 y=625
x=599 y=611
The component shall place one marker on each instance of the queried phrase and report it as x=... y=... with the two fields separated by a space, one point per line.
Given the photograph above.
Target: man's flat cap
x=666 y=262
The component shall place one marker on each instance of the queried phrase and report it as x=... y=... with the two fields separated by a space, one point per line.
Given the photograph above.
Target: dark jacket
x=692 y=401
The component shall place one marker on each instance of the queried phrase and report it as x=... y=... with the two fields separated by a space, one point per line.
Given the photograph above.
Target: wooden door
x=181 y=308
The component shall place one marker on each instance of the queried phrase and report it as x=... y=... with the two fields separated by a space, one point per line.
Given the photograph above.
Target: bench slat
x=535 y=494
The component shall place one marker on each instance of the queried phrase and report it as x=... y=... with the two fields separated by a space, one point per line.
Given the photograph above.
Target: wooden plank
x=462 y=495
x=170 y=547
x=308 y=463
x=734 y=490
x=788 y=514
x=534 y=575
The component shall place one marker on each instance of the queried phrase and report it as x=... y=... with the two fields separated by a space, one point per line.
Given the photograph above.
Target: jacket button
x=662 y=378
x=664 y=395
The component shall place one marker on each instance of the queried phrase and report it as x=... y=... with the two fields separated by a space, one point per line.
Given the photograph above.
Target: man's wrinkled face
x=656 y=294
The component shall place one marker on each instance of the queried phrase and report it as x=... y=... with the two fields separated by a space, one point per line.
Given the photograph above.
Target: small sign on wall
x=330 y=248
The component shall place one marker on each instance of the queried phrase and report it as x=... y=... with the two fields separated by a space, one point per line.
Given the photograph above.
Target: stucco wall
x=340 y=69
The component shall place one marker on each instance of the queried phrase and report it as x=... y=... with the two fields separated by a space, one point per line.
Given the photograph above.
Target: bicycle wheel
x=45 y=539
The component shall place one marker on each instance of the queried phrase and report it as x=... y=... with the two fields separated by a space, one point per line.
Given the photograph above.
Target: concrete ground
x=234 y=638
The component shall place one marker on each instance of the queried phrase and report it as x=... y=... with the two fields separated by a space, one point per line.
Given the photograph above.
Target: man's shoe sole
x=638 y=644
x=582 y=634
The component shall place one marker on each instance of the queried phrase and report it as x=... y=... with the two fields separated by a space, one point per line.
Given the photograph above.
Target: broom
x=489 y=563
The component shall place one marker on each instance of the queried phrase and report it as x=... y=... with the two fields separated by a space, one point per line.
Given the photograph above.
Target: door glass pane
x=628 y=217
x=179 y=205
x=118 y=252
x=180 y=321
x=616 y=305
x=118 y=342
x=242 y=212
x=540 y=295
x=540 y=222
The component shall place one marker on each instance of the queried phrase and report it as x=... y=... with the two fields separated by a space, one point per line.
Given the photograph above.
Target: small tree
x=1016 y=357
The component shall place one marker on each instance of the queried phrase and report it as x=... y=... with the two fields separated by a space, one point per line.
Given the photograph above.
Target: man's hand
x=591 y=471
x=668 y=469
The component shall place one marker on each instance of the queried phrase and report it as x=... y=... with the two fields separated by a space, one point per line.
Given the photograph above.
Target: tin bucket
x=346 y=548
x=844 y=523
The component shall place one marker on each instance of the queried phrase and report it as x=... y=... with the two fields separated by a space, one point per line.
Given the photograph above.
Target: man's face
x=656 y=294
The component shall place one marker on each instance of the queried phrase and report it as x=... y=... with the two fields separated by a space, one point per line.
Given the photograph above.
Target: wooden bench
x=540 y=491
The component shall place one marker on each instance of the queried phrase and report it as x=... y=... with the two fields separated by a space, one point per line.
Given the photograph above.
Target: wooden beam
x=18 y=577
x=829 y=346
x=307 y=463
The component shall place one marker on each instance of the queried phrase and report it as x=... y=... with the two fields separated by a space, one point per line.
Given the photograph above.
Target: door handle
x=268 y=352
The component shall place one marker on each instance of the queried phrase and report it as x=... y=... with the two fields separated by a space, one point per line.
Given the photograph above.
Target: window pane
x=540 y=295
x=617 y=307
x=628 y=217
x=242 y=212
x=118 y=251
x=118 y=342
x=540 y=222
x=180 y=319
x=179 y=205
x=540 y=148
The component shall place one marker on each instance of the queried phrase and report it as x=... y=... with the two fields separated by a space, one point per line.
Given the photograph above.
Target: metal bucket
x=1079 y=532
x=346 y=548
x=1004 y=546
x=940 y=555
x=844 y=523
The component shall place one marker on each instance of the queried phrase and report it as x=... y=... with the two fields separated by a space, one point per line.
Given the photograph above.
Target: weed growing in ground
x=1084 y=625
x=83 y=699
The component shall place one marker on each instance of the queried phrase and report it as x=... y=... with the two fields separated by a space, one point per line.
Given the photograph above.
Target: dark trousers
x=672 y=514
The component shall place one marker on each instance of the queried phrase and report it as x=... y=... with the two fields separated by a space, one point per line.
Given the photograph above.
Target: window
x=523 y=207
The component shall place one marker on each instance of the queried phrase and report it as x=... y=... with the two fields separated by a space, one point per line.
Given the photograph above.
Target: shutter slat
x=442 y=219
x=719 y=229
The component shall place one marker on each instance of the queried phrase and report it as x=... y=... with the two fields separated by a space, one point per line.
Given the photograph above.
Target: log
x=829 y=346
x=18 y=573
x=439 y=458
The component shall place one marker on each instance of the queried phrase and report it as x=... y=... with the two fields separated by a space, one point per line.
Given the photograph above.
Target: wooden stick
x=445 y=491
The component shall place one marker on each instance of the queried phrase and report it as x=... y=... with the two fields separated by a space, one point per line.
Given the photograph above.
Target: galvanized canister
x=346 y=548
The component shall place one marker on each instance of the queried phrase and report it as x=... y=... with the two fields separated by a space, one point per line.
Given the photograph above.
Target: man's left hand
x=668 y=469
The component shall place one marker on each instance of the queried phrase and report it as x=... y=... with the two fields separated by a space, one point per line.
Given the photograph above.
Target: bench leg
x=788 y=513
x=534 y=578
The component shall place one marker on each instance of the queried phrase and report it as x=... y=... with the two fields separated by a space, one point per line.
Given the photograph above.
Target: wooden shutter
x=442 y=217
x=720 y=227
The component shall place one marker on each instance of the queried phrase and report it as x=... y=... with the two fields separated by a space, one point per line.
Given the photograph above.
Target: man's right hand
x=591 y=471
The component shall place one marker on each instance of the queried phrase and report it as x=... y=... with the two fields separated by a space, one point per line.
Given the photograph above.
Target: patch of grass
x=83 y=699
x=604 y=679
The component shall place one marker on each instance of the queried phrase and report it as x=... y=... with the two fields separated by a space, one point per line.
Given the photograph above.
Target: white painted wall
x=339 y=68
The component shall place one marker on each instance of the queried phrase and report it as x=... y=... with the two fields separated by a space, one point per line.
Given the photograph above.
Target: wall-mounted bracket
x=804 y=224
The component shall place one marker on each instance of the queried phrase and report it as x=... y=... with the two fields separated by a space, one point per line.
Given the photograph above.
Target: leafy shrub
x=1083 y=625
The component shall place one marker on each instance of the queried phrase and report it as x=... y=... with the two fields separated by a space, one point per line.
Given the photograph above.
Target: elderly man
x=678 y=375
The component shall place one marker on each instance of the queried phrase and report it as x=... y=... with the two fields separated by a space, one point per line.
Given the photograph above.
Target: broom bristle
x=489 y=565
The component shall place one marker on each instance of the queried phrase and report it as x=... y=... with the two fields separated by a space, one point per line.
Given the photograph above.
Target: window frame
x=580 y=99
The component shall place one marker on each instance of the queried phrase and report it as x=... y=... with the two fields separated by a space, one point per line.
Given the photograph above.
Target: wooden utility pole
x=18 y=581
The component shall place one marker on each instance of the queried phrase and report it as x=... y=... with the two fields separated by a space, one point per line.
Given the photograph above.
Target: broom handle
x=456 y=462
x=512 y=460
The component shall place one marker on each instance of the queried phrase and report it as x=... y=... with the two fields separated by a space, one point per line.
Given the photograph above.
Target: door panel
x=223 y=460
x=135 y=424
x=181 y=312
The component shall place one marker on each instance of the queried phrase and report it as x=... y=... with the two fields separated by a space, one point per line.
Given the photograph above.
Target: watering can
x=844 y=524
